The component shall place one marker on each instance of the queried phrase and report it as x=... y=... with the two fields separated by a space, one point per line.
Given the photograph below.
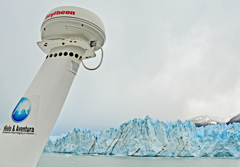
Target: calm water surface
x=71 y=160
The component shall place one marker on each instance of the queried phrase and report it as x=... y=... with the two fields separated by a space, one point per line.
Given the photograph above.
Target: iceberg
x=152 y=138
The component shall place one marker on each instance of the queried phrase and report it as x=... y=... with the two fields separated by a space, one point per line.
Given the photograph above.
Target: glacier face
x=148 y=137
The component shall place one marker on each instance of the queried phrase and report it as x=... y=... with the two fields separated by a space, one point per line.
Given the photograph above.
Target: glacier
x=152 y=138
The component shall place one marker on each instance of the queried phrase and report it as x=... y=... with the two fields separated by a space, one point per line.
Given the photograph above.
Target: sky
x=166 y=59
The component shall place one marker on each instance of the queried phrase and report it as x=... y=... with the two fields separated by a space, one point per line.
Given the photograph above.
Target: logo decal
x=22 y=110
x=60 y=13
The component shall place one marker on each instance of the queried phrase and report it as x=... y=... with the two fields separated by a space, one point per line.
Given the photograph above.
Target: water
x=71 y=160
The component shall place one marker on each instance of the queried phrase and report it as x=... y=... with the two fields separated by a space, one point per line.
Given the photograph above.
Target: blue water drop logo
x=22 y=110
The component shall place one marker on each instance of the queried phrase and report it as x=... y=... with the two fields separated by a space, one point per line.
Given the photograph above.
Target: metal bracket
x=47 y=45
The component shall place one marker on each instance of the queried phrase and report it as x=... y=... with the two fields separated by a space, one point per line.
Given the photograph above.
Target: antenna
x=69 y=35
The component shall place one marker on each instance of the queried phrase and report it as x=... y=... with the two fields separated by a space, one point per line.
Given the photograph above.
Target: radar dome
x=68 y=22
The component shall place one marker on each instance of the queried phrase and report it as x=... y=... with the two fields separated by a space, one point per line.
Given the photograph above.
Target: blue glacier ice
x=148 y=137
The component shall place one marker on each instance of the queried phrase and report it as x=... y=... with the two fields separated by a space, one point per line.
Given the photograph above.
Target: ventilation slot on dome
x=72 y=28
x=80 y=29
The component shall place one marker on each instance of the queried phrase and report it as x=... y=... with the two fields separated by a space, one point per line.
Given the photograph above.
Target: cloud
x=167 y=59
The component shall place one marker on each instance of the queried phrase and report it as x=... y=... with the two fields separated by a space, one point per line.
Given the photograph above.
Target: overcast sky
x=166 y=59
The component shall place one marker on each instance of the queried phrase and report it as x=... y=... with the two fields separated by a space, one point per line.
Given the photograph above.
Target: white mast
x=69 y=35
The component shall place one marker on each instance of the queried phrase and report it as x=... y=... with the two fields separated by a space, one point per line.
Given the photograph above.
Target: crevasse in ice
x=147 y=137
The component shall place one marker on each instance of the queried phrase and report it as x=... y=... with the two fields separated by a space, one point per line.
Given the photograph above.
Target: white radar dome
x=69 y=22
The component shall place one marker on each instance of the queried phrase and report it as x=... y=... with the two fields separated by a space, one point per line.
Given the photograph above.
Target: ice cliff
x=148 y=137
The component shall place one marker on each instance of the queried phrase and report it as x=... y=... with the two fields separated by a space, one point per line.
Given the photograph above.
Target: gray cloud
x=167 y=59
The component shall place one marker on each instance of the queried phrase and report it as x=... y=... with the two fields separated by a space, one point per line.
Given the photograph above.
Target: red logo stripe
x=60 y=13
